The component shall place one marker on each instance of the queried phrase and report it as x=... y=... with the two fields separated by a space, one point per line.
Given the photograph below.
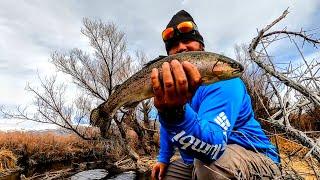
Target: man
x=213 y=126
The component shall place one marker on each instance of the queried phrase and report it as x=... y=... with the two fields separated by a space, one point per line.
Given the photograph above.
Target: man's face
x=184 y=46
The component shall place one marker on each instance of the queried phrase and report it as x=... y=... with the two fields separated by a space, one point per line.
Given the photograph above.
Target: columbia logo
x=197 y=146
x=223 y=121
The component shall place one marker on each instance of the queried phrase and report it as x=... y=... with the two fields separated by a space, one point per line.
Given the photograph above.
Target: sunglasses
x=183 y=27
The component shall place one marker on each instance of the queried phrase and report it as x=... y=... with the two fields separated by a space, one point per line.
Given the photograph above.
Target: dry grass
x=35 y=148
x=293 y=160
x=38 y=148
x=8 y=161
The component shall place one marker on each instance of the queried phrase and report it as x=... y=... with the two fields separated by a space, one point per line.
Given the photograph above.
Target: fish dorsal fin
x=154 y=60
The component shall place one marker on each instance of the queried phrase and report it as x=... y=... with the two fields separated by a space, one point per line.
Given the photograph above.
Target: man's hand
x=179 y=80
x=158 y=171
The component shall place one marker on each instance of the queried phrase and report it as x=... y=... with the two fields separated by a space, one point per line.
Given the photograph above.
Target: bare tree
x=145 y=106
x=52 y=108
x=94 y=75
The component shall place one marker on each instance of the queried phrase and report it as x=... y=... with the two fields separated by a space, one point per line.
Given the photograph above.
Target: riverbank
x=38 y=152
x=34 y=155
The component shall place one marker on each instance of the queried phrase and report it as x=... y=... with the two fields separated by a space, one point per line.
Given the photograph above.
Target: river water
x=94 y=174
x=92 y=170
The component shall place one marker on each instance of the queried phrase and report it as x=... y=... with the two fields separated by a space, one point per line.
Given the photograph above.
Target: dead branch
x=290 y=89
x=298 y=135
x=313 y=96
x=300 y=34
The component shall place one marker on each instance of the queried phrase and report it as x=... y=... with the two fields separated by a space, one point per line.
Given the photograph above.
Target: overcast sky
x=31 y=30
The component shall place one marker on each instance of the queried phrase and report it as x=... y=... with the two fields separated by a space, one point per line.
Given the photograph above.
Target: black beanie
x=182 y=16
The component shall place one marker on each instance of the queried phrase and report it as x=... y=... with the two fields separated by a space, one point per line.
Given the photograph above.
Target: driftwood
x=61 y=174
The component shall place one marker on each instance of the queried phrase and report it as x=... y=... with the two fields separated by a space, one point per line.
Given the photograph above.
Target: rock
x=90 y=174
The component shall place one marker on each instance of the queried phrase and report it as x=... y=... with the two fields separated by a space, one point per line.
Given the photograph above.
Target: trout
x=212 y=67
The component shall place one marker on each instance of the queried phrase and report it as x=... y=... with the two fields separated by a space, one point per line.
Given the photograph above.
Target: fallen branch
x=60 y=174
x=299 y=136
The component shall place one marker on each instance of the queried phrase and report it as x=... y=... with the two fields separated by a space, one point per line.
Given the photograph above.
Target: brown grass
x=35 y=148
x=307 y=121
x=293 y=158
x=8 y=160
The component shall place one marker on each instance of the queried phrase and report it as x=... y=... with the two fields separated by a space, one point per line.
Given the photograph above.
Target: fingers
x=154 y=172
x=157 y=89
x=162 y=172
x=177 y=84
x=168 y=82
x=194 y=76
x=180 y=78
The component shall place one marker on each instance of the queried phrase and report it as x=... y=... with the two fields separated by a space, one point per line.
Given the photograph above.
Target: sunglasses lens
x=185 y=27
x=167 y=33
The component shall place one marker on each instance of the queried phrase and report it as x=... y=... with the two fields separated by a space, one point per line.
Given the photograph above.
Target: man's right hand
x=158 y=171
x=177 y=81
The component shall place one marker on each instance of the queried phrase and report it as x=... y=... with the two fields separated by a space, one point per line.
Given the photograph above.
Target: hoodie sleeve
x=166 y=147
x=204 y=134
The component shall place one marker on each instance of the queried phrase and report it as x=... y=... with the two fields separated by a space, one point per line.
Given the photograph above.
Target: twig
x=292 y=33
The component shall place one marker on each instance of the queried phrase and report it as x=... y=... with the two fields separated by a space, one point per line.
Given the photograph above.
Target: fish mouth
x=238 y=68
x=237 y=71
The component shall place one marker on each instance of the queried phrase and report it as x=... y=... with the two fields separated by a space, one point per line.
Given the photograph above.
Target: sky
x=31 y=30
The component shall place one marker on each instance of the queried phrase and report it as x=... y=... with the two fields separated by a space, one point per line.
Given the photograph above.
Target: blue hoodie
x=218 y=114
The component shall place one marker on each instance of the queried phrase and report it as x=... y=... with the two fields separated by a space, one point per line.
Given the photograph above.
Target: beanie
x=182 y=16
